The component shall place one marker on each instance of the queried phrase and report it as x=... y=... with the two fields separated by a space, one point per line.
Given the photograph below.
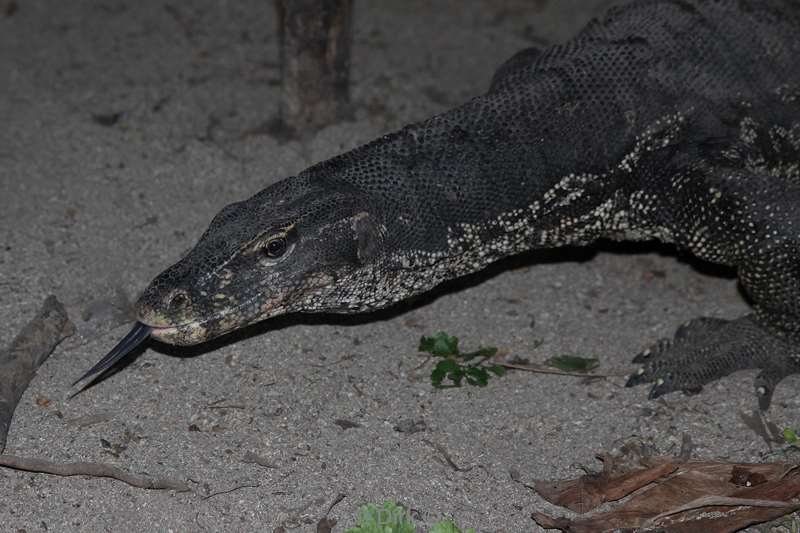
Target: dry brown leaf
x=587 y=492
x=674 y=497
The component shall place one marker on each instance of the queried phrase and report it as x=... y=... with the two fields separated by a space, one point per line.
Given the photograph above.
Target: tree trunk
x=315 y=37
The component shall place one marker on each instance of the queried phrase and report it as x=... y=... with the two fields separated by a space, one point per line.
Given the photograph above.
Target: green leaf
x=497 y=370
x=437 y=375
x=489 y=351
x=389 y=518
x=477 y=376
x=441 y=370
x=456 y=375
x=445 y=527
x=570 y=363
x=440 y=344
x=426 y=344
x=448 y=527
x=393 y=518
x=446 y=346
x=790 y=436
x=481 y=352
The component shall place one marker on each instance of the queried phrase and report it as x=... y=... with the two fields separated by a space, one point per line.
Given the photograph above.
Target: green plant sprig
x=393 y=518
x=458 y=366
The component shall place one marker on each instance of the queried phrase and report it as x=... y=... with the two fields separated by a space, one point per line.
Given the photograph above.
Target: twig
x=441 y=449
x=515 y=476
x=423 y=363
x=89 y=420
x=29 y=349
x=232 y=490
x=339 y=497
x=216 y=404
x=355 y=387
x=91 y=469
x=789 y=470
x=250 y=457
x=708 y=501
x=540 y=369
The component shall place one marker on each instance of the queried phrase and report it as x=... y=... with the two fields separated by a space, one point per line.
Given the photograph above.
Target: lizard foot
x=706 y=349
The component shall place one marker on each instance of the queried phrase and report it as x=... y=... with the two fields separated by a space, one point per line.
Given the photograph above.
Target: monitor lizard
x=676 y=120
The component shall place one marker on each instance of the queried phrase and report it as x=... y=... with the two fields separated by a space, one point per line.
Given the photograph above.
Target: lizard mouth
x=184 y=334
x=188 y=333
x=168 y=334
x=203 y=329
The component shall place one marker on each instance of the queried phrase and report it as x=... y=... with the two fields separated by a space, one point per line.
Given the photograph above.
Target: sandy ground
x=91 y=212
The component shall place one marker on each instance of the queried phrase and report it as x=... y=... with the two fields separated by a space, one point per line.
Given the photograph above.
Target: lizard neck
x=464 y=189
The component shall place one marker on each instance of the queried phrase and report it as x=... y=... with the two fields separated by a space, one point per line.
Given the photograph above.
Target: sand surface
x=91 y=212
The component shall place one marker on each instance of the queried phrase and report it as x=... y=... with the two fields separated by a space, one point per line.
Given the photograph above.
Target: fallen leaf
x=669 y=495
x=587 y=492
x=41 y=401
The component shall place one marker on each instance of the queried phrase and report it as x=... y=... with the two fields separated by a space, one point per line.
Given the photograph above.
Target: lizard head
x=293 y=247
x=297 y=246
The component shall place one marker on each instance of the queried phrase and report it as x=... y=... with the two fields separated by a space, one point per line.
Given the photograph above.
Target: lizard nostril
x=178 y=301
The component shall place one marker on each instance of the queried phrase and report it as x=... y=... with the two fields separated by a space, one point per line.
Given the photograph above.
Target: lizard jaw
x=205 y=329
x=185 y=334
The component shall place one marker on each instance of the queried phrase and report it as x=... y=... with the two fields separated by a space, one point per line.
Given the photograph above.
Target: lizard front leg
x=706 y=349
x=752 y=222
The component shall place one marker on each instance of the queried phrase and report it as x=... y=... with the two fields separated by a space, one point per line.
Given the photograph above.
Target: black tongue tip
x=134 y=338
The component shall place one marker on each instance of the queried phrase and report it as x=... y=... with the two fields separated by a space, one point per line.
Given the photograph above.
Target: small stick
x=442 y=450
x=238 y=487
x=339 y=497
x=250 y=457
x=717 y=501
x=539 y=369
x=91 y=469
x=29 y=349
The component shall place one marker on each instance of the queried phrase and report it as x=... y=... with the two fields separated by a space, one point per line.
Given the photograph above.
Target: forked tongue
x=134 y=338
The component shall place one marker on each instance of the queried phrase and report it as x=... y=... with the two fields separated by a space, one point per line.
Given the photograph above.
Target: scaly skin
x=670 y=120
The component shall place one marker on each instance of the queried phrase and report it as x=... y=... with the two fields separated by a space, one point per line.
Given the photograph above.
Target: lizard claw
x=638 y=378
x=765 y=384
x=662 y=386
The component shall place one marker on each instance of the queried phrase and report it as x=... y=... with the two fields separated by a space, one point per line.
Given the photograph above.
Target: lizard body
x=675 y=120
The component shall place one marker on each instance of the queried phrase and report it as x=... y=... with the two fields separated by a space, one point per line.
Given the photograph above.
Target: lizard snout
x=169 y=302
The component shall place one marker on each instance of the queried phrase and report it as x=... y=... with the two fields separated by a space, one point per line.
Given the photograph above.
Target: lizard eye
x=275 y=248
